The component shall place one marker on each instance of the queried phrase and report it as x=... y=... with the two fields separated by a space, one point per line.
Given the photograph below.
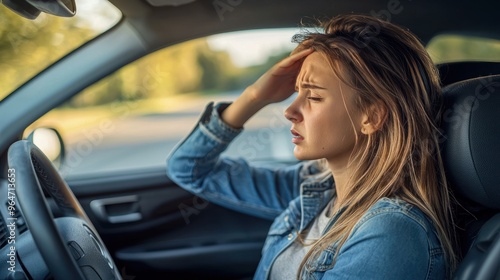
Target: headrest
x=453 y=72
x=471 y=147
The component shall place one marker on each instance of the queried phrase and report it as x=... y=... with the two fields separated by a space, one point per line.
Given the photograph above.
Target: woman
x=369 y=199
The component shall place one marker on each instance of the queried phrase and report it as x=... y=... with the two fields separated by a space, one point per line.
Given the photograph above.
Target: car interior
x=469 y=151
x=145 y=227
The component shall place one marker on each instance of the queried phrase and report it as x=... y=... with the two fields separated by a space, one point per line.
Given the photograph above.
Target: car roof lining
x=158 y=26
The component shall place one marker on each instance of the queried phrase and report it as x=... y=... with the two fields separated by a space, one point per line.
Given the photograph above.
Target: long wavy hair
x=387 y=66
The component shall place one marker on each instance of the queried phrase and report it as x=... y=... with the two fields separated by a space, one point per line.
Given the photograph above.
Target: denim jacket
x=393 y=240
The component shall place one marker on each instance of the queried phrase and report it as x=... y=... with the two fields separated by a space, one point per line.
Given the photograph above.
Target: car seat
x=471 y=156
x=452 y=72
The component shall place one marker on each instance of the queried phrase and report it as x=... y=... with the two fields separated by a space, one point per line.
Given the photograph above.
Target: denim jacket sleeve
x=196 y=165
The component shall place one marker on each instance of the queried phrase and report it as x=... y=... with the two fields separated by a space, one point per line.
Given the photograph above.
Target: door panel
x=174 y=233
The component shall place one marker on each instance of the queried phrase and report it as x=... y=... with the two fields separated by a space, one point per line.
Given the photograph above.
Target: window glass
x=133 y=118
x=29 y=46
x=453 y=48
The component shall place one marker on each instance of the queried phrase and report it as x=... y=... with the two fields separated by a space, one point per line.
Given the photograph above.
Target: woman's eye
x=316 y=99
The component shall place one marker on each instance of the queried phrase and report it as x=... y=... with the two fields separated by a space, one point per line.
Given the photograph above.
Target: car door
x=119 y=131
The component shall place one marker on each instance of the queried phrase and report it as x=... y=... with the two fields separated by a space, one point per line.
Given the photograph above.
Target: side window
x=452 y=48
x=133 y=118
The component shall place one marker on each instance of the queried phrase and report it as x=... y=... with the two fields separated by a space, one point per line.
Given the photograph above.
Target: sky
x=247 y=48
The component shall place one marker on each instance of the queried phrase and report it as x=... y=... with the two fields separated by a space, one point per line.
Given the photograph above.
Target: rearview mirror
x=30 y=9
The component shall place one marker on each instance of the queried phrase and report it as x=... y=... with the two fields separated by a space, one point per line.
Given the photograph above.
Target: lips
x=297 y=138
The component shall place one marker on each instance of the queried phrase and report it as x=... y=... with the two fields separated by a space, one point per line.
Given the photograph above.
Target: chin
x=304 y=156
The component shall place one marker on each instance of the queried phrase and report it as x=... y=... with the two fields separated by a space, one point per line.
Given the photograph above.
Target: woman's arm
x=195 y=164
x=275 y=85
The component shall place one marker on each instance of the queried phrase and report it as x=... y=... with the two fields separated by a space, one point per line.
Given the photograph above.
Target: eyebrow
x=309 y=86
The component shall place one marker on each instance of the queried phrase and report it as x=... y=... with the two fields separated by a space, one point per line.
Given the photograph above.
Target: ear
x=373 y=119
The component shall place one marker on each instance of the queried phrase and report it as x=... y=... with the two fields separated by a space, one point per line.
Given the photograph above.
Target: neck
x=341 y=175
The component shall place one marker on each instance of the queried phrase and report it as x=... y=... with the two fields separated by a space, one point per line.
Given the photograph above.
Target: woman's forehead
x=316 y=68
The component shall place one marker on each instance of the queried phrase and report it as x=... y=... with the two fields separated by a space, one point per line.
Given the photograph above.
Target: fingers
x=293 y=58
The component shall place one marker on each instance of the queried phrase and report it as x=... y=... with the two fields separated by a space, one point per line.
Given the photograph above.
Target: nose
x=292 y=113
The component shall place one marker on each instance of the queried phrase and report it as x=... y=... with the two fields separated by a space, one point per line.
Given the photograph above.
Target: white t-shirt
x=287 y=263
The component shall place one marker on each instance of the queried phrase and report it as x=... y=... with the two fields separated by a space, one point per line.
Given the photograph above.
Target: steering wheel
x=69 y=245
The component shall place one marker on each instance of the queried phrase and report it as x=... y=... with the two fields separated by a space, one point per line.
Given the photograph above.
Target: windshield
x=29 y=46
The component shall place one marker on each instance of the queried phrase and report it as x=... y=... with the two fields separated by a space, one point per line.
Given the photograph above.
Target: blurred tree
x=113 y=93
x=211 y=71
x=188 y=67
x=448 y=48
x=29 y=46
x=184 y=68
x=252 y=73
x=218 y=72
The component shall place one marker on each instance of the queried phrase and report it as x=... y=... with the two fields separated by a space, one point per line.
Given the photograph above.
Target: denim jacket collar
x=315 y=195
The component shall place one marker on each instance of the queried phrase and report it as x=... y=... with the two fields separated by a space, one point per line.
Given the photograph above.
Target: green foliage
x=252 y=73
x=29 y=46
x=449 y=48
x=189 y=67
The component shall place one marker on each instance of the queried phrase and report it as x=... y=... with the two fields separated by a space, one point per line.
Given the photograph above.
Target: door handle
x=117 y=210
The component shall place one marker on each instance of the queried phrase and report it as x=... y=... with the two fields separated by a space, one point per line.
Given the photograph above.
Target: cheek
x=334 y=129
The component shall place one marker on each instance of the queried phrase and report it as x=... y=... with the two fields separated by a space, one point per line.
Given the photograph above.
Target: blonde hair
x=388 y=66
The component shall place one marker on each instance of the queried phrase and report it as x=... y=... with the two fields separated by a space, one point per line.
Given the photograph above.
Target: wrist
x=253 y=99
x=242 y=109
